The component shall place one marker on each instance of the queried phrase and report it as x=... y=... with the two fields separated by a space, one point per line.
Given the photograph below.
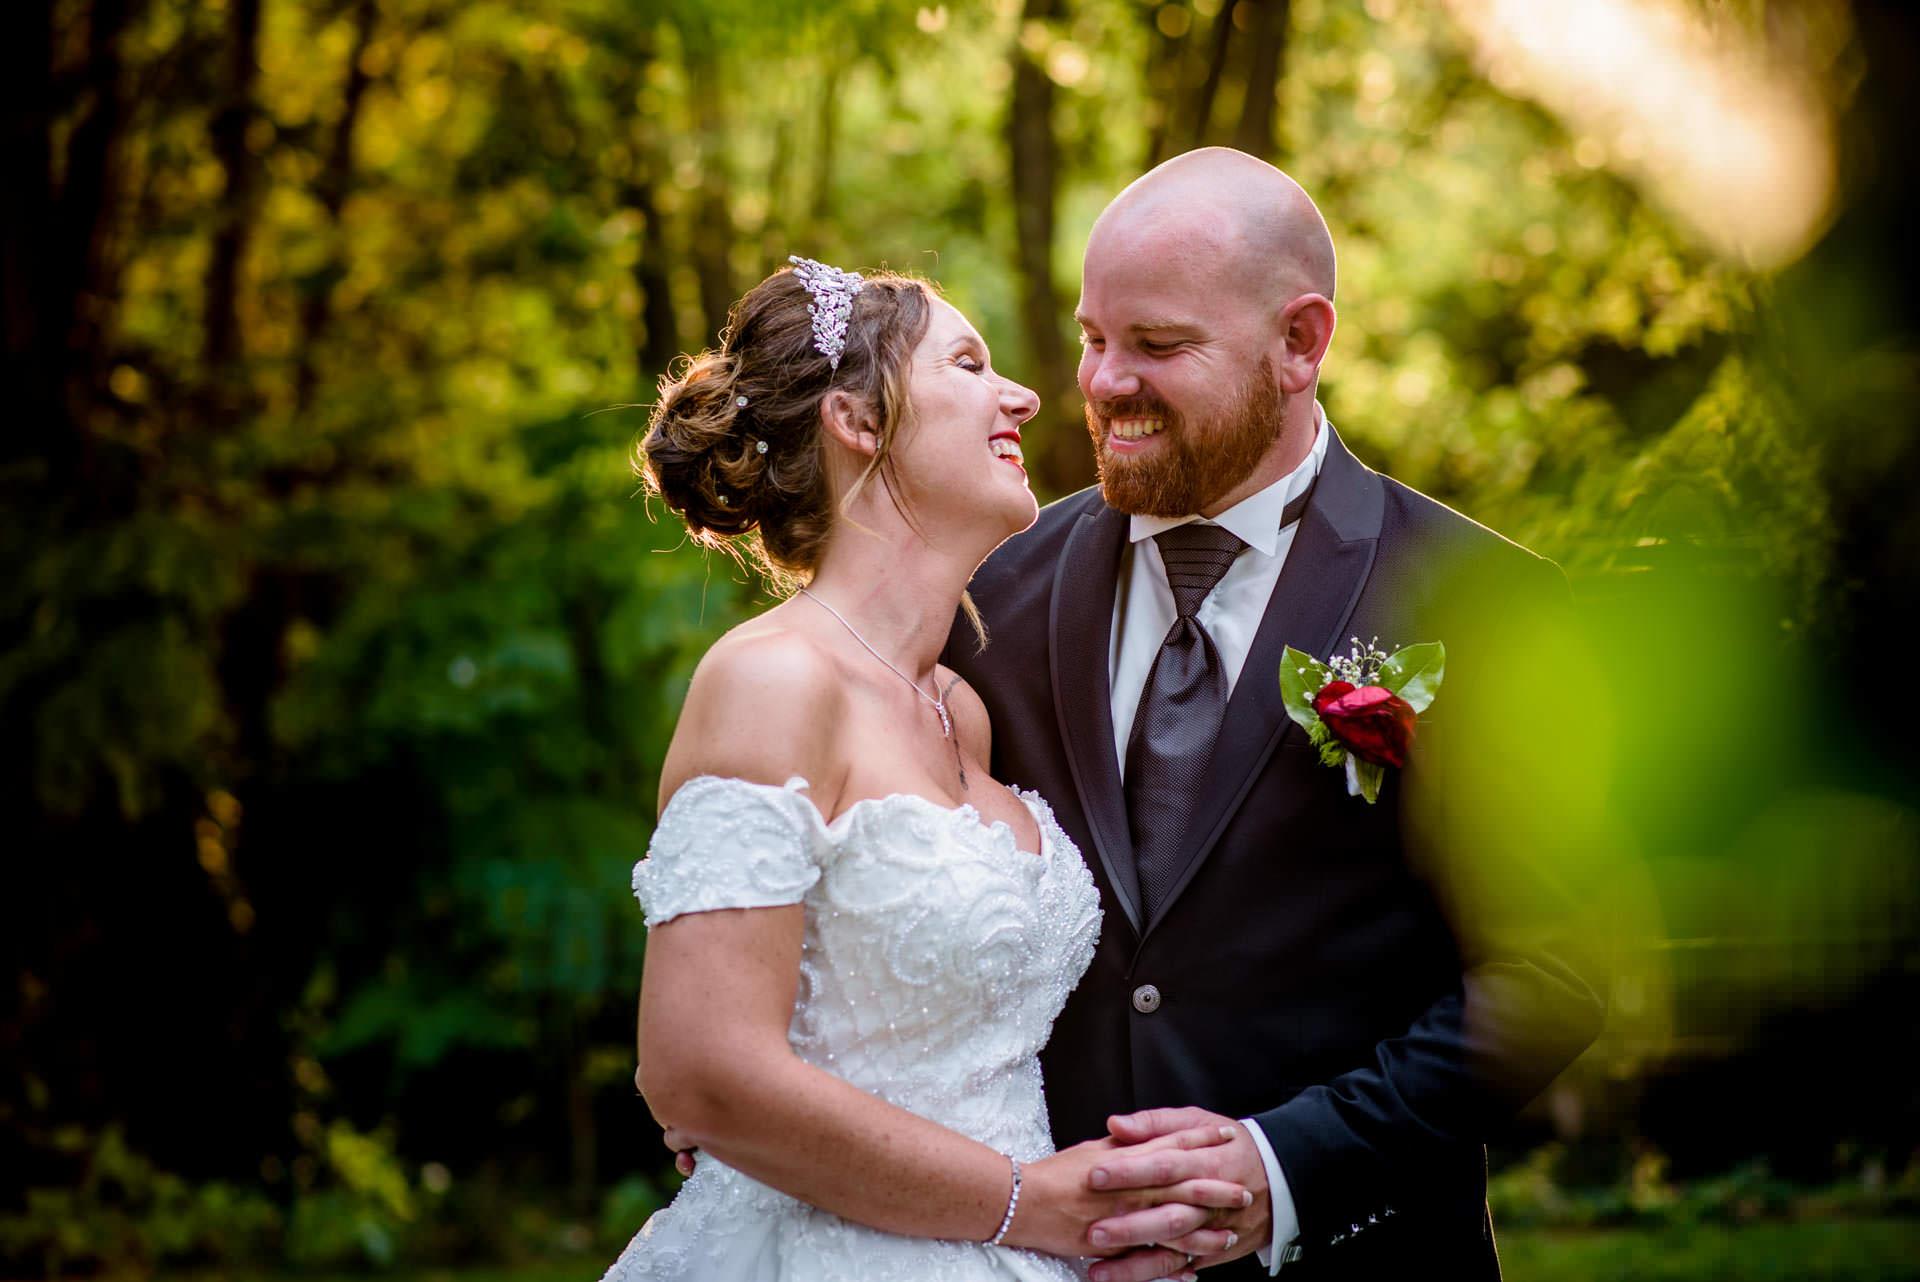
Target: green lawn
x=1814 y=1251
x=1886 y=1250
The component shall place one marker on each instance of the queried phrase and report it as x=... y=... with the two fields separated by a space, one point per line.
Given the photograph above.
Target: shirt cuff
x=1286 y=1220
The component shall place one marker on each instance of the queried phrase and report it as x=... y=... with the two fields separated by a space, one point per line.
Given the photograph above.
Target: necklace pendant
x=939 y=705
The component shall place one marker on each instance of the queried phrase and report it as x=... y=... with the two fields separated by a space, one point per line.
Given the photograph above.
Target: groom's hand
x=1135 y=1168
x=1060 y=1201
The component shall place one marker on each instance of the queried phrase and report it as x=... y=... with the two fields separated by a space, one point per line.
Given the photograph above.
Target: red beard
x=1196 y=463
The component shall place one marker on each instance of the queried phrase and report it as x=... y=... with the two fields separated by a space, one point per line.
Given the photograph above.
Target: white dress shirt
x=1143 y=610
x=1143 y=613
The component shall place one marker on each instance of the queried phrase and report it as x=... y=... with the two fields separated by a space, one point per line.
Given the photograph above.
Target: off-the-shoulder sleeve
x=727 y=843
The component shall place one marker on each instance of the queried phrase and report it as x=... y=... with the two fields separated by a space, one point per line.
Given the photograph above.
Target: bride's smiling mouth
x=1006 y=445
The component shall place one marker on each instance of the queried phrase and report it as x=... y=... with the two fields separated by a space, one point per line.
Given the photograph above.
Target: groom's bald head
x=1206 y=309
x=1224 y=213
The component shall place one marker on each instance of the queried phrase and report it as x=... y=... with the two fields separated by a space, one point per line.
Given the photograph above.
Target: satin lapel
x=1080 y=639
x=1319 y=586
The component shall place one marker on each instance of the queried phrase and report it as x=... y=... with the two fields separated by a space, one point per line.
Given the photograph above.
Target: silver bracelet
x=1013 y=1201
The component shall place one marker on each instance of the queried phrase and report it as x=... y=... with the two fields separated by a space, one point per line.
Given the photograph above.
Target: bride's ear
x=848 y=421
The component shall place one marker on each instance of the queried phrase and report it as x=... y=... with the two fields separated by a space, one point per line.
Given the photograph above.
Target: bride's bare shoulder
x=764 y=705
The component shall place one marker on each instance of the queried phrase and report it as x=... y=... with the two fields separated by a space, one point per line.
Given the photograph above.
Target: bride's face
x=960 y=454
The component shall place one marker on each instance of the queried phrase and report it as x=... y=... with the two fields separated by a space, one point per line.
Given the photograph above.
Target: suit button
x=1146 y=999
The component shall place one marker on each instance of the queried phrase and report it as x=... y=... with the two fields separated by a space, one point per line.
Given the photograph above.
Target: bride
x=858 y=940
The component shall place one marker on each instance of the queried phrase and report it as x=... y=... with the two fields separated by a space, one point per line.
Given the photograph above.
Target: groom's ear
x=845 y=418
x=1306 y=327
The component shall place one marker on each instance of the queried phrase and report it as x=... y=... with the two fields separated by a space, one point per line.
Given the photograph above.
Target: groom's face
x=1180 y=392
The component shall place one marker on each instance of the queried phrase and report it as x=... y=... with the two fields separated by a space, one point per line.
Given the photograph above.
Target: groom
x=1276 y=951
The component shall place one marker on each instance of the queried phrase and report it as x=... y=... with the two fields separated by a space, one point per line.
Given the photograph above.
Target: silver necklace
x=939 y=705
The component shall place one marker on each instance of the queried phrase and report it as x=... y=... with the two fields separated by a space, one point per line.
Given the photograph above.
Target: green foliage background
x=338 y=650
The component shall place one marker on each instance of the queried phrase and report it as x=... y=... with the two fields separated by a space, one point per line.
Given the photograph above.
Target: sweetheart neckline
x=965 y=809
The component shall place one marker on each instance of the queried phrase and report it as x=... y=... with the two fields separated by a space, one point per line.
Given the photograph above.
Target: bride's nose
x=1021 y=403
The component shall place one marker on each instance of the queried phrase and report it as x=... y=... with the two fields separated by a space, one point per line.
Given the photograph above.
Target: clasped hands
x=1167 y=1191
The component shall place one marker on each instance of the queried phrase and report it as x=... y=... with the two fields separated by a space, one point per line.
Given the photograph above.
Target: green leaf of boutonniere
x=1415 y=672
x=1301 y=677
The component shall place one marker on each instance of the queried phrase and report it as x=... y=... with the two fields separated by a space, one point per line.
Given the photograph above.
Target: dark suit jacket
x=1308 y=969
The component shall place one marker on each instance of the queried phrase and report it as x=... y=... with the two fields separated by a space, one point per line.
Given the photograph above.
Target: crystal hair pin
x=832 y=305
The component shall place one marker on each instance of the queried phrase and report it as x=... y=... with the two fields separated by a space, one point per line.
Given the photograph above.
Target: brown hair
x=701 y=452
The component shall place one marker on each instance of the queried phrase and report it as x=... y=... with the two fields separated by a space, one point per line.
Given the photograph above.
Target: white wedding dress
x=936 y=956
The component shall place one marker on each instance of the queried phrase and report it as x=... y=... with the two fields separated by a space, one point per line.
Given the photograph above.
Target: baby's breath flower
x=1360 y=666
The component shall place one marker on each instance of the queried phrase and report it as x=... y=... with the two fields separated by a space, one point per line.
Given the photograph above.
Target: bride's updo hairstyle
x=702 y=450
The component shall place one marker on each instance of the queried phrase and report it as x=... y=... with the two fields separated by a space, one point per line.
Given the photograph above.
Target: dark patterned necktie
x=1180 y=711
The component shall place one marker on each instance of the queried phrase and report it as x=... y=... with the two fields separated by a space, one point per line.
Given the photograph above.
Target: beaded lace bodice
x=936 y=954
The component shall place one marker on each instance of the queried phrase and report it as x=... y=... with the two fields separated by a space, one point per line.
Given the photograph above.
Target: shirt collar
x=1254 y=520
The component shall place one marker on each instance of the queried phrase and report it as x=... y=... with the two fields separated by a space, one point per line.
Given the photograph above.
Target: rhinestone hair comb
x=832 y=305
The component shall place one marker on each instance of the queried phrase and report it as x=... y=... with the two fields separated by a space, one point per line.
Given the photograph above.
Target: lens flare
x=1731 y=139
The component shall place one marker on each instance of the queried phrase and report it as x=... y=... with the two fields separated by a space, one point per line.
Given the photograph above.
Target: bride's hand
x=1059 y=1203
x=1136 y=1168
x=683 y=1149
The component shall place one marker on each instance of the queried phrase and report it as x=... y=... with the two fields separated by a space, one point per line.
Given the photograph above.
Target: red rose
x=1328 y=693
x=1373 y=722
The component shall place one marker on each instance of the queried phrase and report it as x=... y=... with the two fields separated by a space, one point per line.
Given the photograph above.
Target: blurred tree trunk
x=90 y=199
x=583 y=1134
x=659 y=320
x=661 y=342
x=1219 y=45
x=827 y=127
x=1187 y=117
x=712 y=232
x=773 y=228
x=234 y=225
x=331 y=186
x=250 y=657
x=59 y=281
x=1166 y=60
x=1268 y=37
x=34 y=307
x=1061 y=462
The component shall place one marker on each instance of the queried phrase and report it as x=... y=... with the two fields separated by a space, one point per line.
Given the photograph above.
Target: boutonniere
x=1359 y=708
